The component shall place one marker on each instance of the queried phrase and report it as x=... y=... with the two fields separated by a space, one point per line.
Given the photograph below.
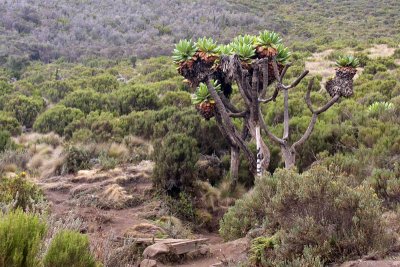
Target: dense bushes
x=9 y=123
x=55 y=119
x=104 y=83
x=76 y=159
x=69 y=249
x=56 y=90
x=86 y=100
x=21 y=235
x=25 y=109
x=135 y=98
x=20 y=192
x=5 y=140
x=175 y=158
x=316 y=211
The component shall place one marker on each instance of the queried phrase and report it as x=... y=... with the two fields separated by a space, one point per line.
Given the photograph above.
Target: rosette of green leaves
x=207 y=45
x=184 y=50
x=283 y=54
x=268 y=39
x=347 y=61
x=202 y=94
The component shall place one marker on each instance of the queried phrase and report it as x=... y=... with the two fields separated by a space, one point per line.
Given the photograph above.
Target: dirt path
x=112 y=203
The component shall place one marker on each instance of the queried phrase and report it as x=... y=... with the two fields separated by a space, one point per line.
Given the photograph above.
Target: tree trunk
x=289 y=155
x=259 y=151
x=235 y=162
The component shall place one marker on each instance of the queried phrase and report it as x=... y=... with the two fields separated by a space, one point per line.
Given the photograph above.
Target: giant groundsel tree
x=257 y=66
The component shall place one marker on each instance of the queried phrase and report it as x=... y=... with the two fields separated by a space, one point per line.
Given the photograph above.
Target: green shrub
x=25 y=109
x=86 y=100
x=76 y=159
x=175 y=158
x=5 y=88
x=69 y=249
x=56 y=119
x=135 y=98
x=9 y=123
x=178 y=99
x=142 y=123
x=5 y=140
x=182 y=206
x=104 y=83
x=316 y=210
x=21 y=235
x=100 y=126
x=21 y=192
x=386 y=184
x=56 y=90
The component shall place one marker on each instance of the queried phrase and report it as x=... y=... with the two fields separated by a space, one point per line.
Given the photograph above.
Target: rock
x=148 y=263
x=155 y=250
x=204 y=250
x=382 y=263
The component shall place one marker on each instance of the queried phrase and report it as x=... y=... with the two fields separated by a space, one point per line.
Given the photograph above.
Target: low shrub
x=104 y=83
x=386 y=184
x=76 y=159
x=56 y=119
x=20 y=192
x=175 y=158
x=21 y=235
x=69 y=249
x=86 y=100
x=316 y=210
x=5 y=140
x=179 y=99
x=56 y=90
x=25 y=109
x=135 y=98
x=9 y=123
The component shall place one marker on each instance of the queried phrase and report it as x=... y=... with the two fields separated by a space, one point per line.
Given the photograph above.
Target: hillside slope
x=49 y=29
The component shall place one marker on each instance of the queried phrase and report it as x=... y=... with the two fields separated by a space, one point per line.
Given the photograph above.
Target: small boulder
x=155 y=250
x=148 y=263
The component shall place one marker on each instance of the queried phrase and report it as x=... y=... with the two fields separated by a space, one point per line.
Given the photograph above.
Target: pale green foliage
x=268 y=39
x=347 y=61
x=69 y=249
x=202 y=94
x=245 y=51
x=225 y=49
x=283 y=54
x=380 y=107
x=21 y=235
x=258 y=249
x=246 y=39
x=207 y=45
x=184 y=50
x=21 y=192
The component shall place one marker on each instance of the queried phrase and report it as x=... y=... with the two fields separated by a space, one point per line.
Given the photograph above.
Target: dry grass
x=118 y=151
x=380 y=50
x=134 y=141
x=145 y=230
x=115 y=196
